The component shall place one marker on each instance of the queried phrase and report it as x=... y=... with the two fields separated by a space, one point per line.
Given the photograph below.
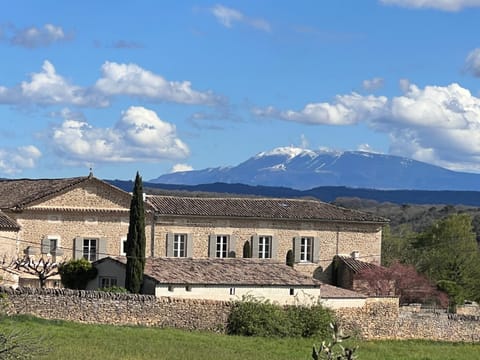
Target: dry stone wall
x=380 y=318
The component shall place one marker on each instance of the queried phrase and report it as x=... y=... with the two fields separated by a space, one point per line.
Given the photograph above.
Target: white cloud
x=437 y=124
x=48 y=88
x=228 y=16
x=445 y=5
x=346 y=110
x=181 y=168
x=131 y=79
x=373 y=84
x=472 y=63
x=140 y=135
x=34 y=37
x=14 y=161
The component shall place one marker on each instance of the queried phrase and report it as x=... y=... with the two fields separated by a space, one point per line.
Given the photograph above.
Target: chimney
x=356 y=254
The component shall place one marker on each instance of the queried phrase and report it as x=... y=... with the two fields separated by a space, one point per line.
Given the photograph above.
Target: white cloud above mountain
x=472 y=62
x=437 y=124
x=181 y=168
x=229 y=16
x=445 y=5
x=36 y=37
x=47 y=87
x=139 y=135
x=15 y=160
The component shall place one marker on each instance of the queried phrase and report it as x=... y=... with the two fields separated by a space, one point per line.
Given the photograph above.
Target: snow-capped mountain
x=305 y=169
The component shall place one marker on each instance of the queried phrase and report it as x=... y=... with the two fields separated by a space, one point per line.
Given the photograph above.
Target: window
x=264 y=247
x=170 y=288
x=292 y=291
x=306 y=244
x=232 y=291
x=179 y=245
x=51 y=246
x=123 y=246
x=188 y=288
x=107 y=281
x=221 y=246
x=90 y=249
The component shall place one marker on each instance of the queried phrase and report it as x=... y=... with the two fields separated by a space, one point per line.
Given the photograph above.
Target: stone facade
x=379 y=318
x=334 y=238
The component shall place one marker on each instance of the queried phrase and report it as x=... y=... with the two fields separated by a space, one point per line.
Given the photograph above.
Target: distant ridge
x=324 y=193
x=303 y=169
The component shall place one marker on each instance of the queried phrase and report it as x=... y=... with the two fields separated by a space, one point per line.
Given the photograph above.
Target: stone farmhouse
x=87 y=217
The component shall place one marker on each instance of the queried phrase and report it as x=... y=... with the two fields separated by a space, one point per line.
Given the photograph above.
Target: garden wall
x=380 y=318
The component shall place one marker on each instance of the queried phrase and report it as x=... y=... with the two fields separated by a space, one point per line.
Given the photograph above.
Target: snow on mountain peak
x=289 y=151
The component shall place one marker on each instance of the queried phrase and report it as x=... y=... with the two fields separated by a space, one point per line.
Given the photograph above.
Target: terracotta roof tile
x=269 y=208
x=8 y=224
x=356 y=265
x=230 y=271
x=332 y=292
x=18 y=193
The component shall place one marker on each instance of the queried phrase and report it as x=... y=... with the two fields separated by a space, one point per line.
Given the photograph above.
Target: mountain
x=306 y=169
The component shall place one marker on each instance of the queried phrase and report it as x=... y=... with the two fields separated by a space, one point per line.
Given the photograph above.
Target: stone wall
x=96 y=307
x=380 y=318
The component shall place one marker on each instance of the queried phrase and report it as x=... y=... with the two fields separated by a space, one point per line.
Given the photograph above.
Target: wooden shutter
x=45 y=245
x=274 y=247
x=170 y=240
x=316 y=249
x=232 y=242
x=189 y=246
x=254 y=249
x=102 y=248
x=212 y=242
x=296 y=248
x=78 y=248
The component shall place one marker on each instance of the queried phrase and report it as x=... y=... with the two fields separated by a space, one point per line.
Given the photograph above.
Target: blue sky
x=159 y=86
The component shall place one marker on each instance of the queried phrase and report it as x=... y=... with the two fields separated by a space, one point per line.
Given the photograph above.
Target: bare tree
x=43 y=268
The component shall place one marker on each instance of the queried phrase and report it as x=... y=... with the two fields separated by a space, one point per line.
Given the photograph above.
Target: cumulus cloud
x=35 y=37
x=181 y=168
x=139 y=135
x=14 y=161
x=445 y=5
x=229 y=16
x=131 y=79
x=345 y=110
x=472 y=63
x=49 y=88
x=436 y=124
x=373 y=84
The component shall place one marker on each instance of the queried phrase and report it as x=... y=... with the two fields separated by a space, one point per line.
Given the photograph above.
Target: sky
x=164 y=86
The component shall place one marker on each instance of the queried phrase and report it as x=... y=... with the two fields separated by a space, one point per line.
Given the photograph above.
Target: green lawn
x=77 y=341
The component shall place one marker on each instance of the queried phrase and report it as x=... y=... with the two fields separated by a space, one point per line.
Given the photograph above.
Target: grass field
x=71 y=341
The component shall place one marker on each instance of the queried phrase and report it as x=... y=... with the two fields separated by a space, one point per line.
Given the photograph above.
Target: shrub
x=253 y=317
x=75 y=274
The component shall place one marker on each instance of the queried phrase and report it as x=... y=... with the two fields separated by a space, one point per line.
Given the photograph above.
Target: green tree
x=397 y=245
x=135 y=245
x=75 y=274
x=448 y=251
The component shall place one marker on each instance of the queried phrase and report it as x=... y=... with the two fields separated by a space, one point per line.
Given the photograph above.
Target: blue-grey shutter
x=232 y=242
x=102 y=248
x=45 y=245
x=78 y=248
x=59 y=249
x=212 y=242
x=274 y=247
x=316 y=249
x=254 y=248
x=170 y=240
x=296 y=248
x=189 y=245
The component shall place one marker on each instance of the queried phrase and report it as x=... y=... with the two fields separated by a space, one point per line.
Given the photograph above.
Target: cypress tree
x=135 y=245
